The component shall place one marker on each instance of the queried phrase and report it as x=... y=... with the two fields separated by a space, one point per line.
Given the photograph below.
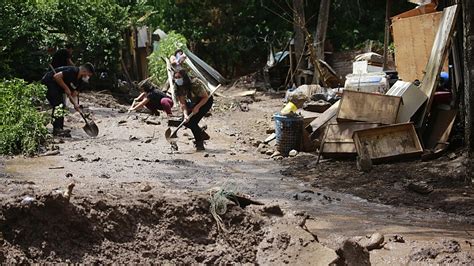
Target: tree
x=468 y=20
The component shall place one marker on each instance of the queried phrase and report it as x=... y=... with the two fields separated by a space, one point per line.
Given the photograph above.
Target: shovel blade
x=170 y=135
x=91 y=129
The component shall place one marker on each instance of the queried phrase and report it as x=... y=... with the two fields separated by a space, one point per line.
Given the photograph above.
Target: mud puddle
x=337 y=212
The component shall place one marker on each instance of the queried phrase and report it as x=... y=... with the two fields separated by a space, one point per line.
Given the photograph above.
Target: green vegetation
x=233 y=36
x=22 y=127
x=167 y=47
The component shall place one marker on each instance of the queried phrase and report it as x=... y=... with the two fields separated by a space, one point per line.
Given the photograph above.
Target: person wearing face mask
x=177 y=59
x=193 y=100
x=65 y=80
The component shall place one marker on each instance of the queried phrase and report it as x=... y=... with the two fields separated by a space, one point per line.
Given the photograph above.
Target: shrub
x=168 y=46
x=22 y=127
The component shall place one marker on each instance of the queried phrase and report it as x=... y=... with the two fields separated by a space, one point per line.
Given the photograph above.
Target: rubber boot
x=204 y=135
x=199 y=145
x=66 y=133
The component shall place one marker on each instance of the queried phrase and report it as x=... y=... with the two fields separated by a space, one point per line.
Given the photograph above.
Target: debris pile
x=378 y=118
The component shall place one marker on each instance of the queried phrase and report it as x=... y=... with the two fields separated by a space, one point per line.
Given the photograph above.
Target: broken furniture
x=338 y=140
x=387 y=143
x=412 y=99
x=368 y=107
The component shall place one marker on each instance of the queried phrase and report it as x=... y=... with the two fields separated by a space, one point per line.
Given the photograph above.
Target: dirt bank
x=140 y=230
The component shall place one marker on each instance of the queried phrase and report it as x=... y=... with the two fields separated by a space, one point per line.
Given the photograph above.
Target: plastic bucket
x=289 y=133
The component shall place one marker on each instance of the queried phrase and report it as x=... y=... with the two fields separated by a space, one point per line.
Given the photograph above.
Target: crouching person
x=193 y=100
x=153 y=99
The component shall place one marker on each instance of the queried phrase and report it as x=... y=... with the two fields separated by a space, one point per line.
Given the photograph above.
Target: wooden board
x=338 y=140
x=437 y=133
x=413 y=39
x=368 y=107
x=169 y=72
x=323 y=119
x=386 y=143
x=438 y=55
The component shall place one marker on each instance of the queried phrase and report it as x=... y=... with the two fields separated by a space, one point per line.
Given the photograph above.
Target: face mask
x=85 y=78
x=179 y=82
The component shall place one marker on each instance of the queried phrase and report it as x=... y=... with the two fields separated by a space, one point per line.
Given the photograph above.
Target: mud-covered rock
x=352 y=253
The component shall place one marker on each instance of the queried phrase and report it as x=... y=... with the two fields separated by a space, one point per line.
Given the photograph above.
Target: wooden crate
x=338 y=140
x=386 y=143
x=368 y=107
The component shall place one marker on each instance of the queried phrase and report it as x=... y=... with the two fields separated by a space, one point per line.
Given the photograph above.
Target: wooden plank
x=437 y=133
x=438 y=55
x=385 y=143
x=413 y=39
x=169 y=73
x=368 y=107
x=323 y=119
x=338 y=139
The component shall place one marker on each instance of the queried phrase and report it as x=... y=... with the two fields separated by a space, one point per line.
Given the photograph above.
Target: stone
x=273 y=209
x=269 y=152
x=132 y=137
x=275 y=154
x=262 y=148
x=206 y=155
x=145 y=188
x=398 y=239
x=293 y=153
x=352 y=253
x=420 y=187
x=153 y=122
x=375 y=241
x=256 y=143
x=270 y=130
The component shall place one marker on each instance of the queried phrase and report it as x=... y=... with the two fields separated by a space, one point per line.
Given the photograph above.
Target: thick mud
x=147 y=230
x=138 y=201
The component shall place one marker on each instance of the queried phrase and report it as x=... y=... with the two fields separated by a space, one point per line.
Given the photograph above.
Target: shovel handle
x=84 y=117
x=184 y=121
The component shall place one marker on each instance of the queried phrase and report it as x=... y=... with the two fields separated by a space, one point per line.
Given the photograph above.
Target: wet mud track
x=131 y=157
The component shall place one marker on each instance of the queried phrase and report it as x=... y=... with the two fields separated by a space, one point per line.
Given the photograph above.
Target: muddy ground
x=136 y=200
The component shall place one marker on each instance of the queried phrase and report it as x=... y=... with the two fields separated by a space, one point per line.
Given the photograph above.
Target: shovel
x=90 y=127
x=171 y=136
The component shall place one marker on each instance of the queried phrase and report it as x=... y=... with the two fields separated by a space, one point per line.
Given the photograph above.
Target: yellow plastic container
x=289 y=108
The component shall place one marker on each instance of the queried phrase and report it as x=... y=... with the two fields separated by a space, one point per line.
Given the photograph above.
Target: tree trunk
x=468 y=19
x=321 y=28
x=387 y=34
x=298 y=26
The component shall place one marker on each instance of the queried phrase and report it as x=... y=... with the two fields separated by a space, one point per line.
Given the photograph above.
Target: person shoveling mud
x=195 y=102
x=65 y=80
x=153 y=99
